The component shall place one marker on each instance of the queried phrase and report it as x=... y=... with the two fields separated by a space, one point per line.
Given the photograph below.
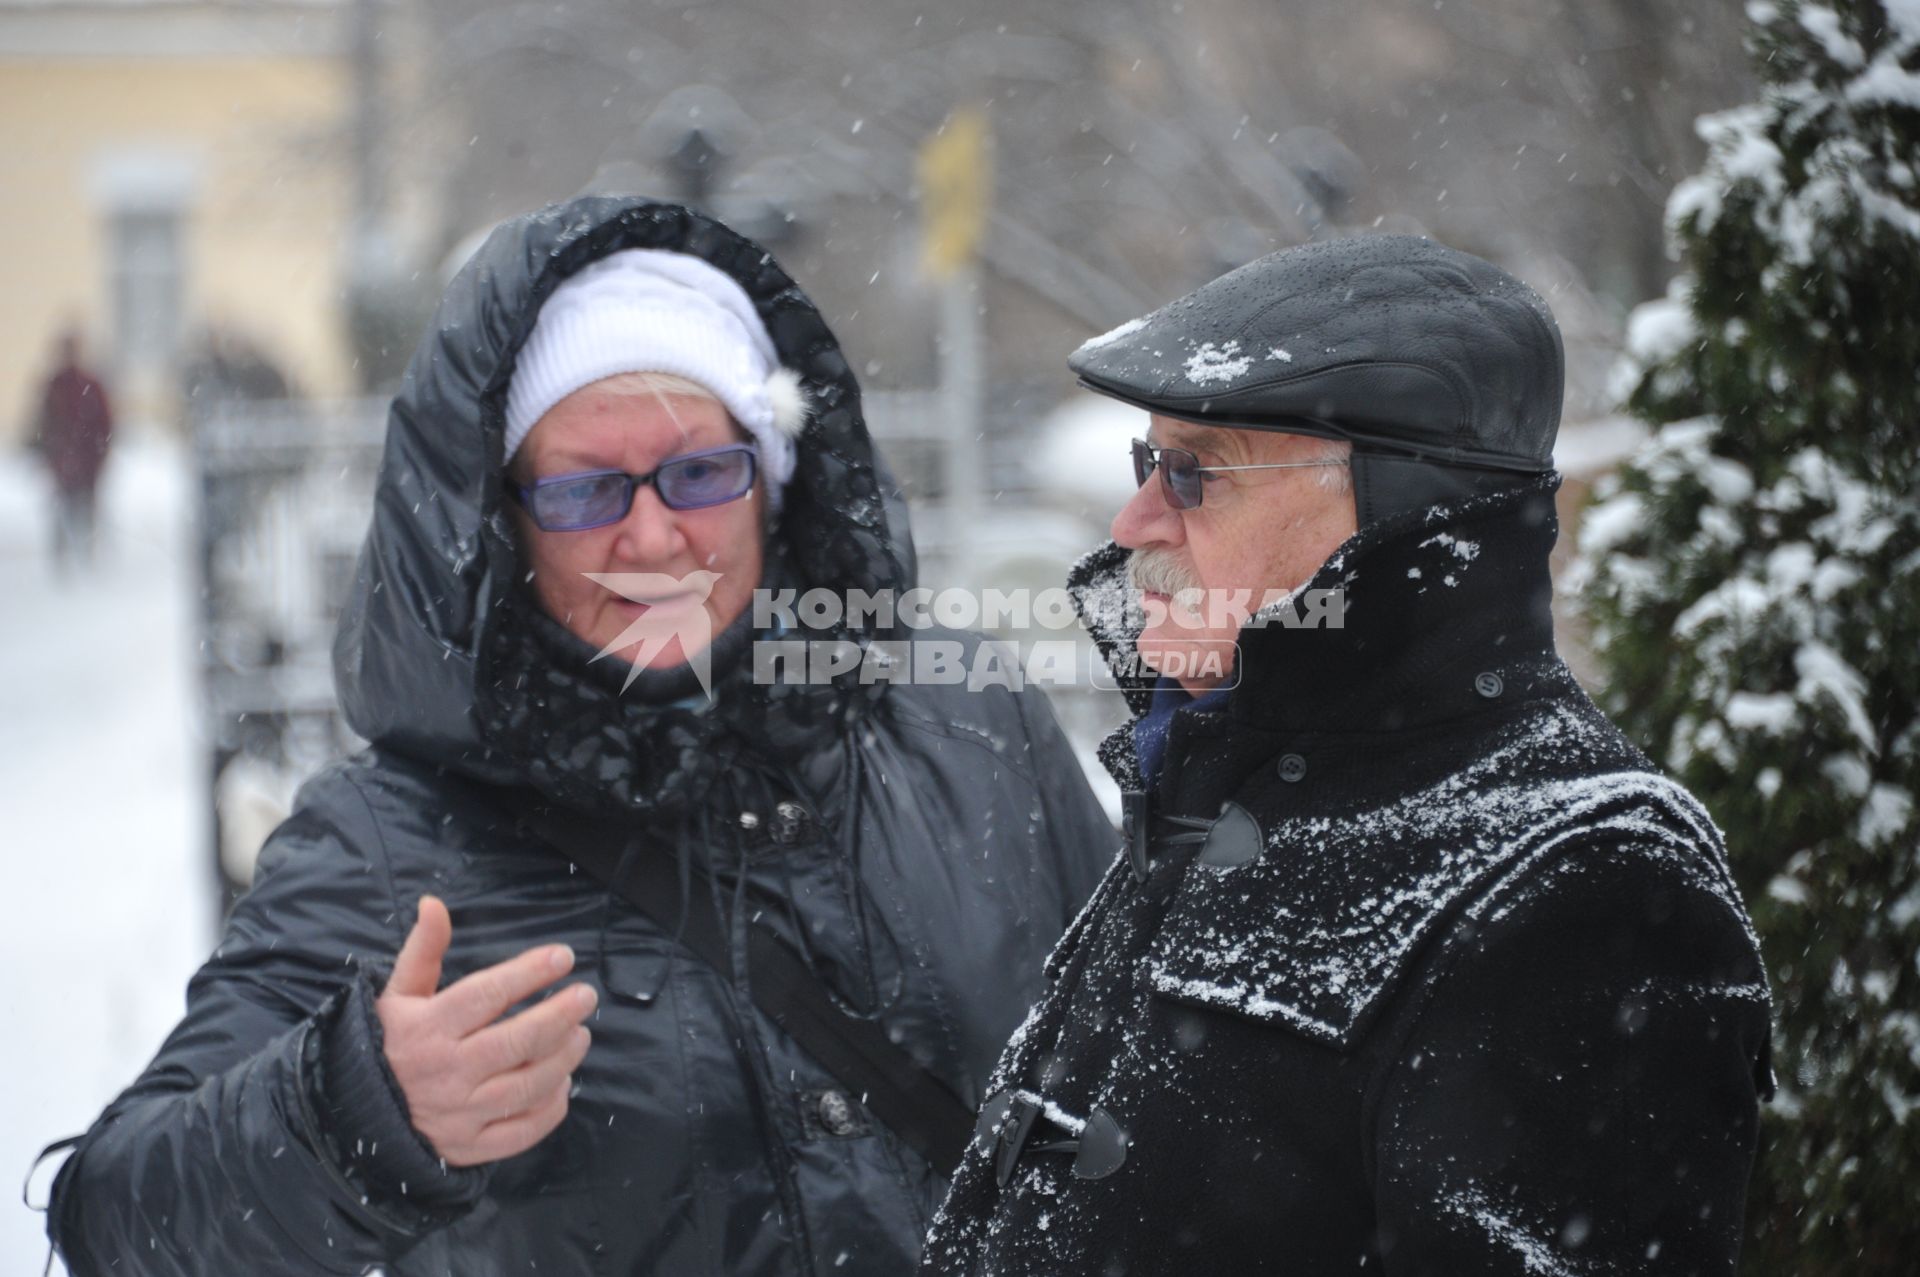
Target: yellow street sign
x=956 y=187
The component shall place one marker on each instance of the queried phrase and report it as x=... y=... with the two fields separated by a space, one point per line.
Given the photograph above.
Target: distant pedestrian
x=73 y=432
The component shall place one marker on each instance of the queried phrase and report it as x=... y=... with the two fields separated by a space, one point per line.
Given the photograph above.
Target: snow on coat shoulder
x=1323 y=926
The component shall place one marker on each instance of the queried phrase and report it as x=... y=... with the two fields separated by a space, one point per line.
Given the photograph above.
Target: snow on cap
x=654 y=310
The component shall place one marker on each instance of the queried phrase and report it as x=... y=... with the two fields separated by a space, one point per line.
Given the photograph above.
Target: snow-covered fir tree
x=1753 y=582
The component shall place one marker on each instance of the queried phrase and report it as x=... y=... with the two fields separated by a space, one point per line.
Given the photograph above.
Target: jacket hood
x=441 y=654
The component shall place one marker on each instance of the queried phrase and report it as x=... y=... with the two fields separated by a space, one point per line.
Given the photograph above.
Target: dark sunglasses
x=1180 y=471
x=595 y=498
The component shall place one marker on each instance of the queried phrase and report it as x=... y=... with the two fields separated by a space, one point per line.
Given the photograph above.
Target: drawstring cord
x=803 y=933
x=694 y=835
x=849 y=867
x=613 y=893
x=860 y=901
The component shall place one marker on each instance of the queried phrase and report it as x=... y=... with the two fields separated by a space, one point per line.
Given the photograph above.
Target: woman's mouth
x=664 y=602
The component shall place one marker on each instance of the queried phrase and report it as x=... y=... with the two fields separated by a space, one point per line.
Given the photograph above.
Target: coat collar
x=1320 y=928
x=1432 y=600
x=1426 y=594
x=1433 y=754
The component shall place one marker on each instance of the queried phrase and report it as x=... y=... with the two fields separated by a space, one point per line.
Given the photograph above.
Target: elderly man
x=1414 y=964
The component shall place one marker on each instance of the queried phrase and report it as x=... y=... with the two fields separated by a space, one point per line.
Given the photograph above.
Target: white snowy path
x=106 y=908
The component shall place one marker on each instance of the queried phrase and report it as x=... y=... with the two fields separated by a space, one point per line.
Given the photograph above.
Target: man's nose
x=650 y=533
x=1146 y=519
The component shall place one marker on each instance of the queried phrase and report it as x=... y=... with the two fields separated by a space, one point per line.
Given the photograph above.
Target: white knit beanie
x=653 y=310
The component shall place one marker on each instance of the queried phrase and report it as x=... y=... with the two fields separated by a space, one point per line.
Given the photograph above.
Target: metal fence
x=285 y=491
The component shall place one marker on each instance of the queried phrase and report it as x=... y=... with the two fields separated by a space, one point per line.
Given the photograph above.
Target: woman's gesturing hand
x=478 y=1087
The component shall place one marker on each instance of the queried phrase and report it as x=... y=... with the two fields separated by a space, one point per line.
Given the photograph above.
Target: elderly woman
x=625 y=419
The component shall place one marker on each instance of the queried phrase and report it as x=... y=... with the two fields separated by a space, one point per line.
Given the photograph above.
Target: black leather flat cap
x=1394 y=342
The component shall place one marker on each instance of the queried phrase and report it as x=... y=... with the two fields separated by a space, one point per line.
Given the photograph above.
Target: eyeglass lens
x=1179 y=473
x=691 y=482
x=688 y=483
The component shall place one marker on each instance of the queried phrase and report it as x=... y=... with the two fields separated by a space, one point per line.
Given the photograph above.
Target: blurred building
x=180 y=179
x=249 y=200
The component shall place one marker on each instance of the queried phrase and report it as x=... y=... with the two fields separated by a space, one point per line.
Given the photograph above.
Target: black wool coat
x=923 y=846
x=1419 y=967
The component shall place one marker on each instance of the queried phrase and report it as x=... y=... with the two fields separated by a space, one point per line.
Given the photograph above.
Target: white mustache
x=1160 y=572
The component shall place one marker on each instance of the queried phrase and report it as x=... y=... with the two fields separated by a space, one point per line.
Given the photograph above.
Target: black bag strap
x=914 y=1104
x=26 y=1187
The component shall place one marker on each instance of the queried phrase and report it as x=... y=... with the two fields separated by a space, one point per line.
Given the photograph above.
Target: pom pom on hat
x=654 y=310
x=789 y=400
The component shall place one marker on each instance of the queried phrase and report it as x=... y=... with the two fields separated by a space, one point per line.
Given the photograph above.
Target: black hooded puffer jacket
x=922 y=845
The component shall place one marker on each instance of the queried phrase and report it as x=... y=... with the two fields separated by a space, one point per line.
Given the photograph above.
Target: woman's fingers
x=473 y=1002
x=538 y=1031
x=519 y=1133
x=416 y=972
x=522 y=1090
x=479 y=1087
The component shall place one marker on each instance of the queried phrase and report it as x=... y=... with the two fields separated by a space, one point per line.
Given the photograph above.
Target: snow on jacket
x=924 y=846
x=1425 y=970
